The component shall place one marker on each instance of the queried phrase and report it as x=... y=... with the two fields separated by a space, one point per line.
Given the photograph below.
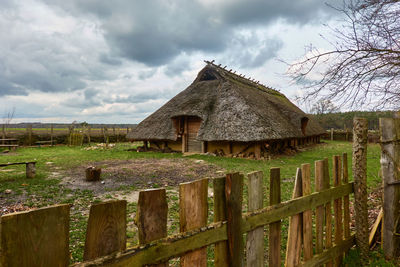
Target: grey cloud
x=155 y=32
x=90 y=93
x=134 y=99
x=177 y=66
x=110 y=60
x=146 y=74
x=251 y=51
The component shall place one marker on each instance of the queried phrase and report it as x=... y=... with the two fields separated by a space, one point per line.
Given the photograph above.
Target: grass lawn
x=56 y=164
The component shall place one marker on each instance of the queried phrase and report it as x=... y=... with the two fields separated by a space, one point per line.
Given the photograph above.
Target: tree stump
x=93 y=173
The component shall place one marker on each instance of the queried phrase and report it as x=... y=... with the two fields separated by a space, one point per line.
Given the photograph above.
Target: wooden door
x=193 y=126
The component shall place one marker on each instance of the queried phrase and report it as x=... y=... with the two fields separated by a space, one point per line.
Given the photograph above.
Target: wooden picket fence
x=41 y=237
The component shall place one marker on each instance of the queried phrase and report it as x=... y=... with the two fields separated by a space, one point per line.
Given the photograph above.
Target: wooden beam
x=252 y=220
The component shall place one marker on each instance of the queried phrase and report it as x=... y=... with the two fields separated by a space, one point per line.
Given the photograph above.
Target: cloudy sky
x=117 y=61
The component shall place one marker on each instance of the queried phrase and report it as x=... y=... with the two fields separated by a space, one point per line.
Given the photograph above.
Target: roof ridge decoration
x=243 y=78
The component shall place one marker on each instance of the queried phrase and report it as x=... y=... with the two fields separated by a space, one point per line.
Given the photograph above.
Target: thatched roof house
x=224 y=111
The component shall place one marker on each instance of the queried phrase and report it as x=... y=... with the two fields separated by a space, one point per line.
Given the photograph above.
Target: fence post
x=106 y=229
x=234 y=199
x=346 y=199
x=221 y=248
x=307 y=215
x=360 y=133
x=294 y=242
x=338 y=205
x=274 y=240
x=193 y=213
x=390 y=164
x=151 y=217
x=328 y=211
x=331 y=134
x=255 y=238
x=319 y=213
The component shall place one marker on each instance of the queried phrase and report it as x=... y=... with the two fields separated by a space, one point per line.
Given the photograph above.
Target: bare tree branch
x=364 y=66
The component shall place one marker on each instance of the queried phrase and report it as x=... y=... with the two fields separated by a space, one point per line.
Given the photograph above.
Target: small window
x=207 y=75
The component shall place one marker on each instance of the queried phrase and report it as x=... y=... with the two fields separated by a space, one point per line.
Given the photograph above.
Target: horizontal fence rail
x=106 y=233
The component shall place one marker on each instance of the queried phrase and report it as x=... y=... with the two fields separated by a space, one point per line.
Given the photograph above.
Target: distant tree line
x=343 y=120
x=66 y=125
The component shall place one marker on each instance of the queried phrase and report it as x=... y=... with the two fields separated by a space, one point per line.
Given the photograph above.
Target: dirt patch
x=140 y=174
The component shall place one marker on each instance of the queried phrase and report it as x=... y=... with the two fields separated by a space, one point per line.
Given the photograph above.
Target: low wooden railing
x=106 y=232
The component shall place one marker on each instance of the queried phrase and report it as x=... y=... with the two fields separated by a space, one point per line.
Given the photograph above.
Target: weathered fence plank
x=307 y=215
x=255 y=238
x=35 y=238
x=234 y=200
x=294 y=242
x=193 y=213
x=336 y=173
x=106 y=229
x=220 y=248
x=346 y=199
x=151 y=217
x=360 y=133
x=319 y=213
x=274 y=249
x=328 y=211
x=390 y=166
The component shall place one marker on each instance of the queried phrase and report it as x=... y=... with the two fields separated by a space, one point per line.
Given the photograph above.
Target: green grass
x=43 y=191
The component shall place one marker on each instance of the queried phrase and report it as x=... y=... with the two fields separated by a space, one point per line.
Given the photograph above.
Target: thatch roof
x=232 y=108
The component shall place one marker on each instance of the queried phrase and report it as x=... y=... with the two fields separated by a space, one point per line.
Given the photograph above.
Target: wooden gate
x=193 y=126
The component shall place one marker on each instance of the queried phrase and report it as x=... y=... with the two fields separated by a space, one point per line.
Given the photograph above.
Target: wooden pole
x=151 y=217
x=51 y=134
x=255 y=238
x=193 y=213
x=331 y=134
x=221 y=248
x=234 y=199
x=360 y=133
x=390 y=166
x=294 y=242
x=307 y=215
x=275 y=227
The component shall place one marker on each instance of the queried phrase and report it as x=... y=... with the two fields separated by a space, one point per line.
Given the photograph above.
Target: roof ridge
x=241 y=77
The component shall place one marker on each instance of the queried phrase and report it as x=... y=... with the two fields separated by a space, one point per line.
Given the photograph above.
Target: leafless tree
x=324 y=106
x=363 y=68
x=7 y=118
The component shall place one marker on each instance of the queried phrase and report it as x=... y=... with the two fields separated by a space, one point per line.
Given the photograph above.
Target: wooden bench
x=51 y=142
x=30 y=167
x=10 y=143
x=10 y=146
